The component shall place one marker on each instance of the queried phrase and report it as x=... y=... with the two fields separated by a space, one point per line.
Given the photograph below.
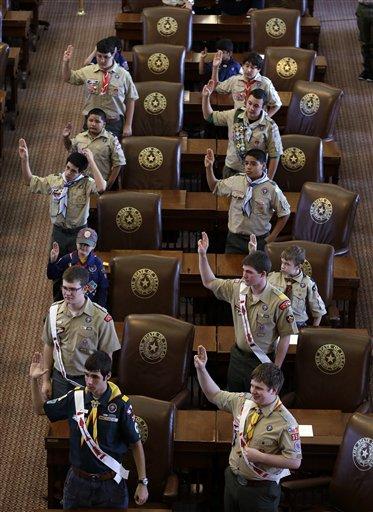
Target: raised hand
x=208 y=88
x=200 y=359
x=22 y=149
x=37 y=366
x=67 y=130
x=218 y=58
x=68 y=53
x=252 y=243
x=209 y=158
x=203 y=243
x=203 y=53
x=55 y=251
x=88 y=154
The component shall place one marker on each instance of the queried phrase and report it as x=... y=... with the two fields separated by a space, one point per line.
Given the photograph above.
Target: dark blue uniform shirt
x=116 y=427
x=226 y=69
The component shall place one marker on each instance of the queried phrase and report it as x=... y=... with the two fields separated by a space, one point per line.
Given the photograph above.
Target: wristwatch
x=143 y=481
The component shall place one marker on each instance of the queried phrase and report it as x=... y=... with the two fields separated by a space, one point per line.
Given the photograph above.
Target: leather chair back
x=129 y=220
x=156 y=423
x=169 y=25
x=336 y=363
x=151 y=163
x=159 y=349
x=301 y=161
x=284 y=65
x=325 y=214
x=300 y=5
x=4 y=53
x=163 y=62
x=351 y=488
x=313 y=109
x=159 y=109
x=143 y=284
x=274 y=27
x=139 y=5
x=319 y=264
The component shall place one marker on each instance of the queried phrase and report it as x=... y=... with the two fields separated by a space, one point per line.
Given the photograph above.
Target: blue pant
x=83 y=493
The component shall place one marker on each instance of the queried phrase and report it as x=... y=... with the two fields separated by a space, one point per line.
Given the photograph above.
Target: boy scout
x=300 y=288
x=248 y=128
x=69 y=193
x=74 y=328
x=102 y=429
x=254 y=200
x=240 y=86
x=265 y=438
x=108 y=86
x=106 y=149
x=261 y=314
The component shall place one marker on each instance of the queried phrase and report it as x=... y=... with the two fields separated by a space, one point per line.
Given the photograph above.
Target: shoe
x=364 y=75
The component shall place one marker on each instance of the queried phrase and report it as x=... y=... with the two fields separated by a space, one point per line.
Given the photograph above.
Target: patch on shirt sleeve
x=108 y=318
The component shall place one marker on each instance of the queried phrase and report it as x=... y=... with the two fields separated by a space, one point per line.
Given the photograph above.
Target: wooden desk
x=128 y=27
x=17 y=24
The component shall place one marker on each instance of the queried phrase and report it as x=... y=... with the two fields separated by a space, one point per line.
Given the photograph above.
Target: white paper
x=293 y=339
x=305 y=431
x=186 y=95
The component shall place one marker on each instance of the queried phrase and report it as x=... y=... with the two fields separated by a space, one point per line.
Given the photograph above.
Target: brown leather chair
x=351 y=484
x=325 y=214
x=301 y=161
x=159 y=109
x=129 y=220
x=158 y=348
x=151 y=163
x=284 y=65
x=300 y=5
x=332 y=370
x=163 y=62
x=319 y=264
x=144 y=284
x=274 y=27
x=169 y=25
x=313 y=109
x=4 y=53
x=139 y=5
x=156 y=423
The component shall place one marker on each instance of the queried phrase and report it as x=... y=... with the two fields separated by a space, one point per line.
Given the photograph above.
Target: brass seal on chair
x=153 y=347
x=150 y=158
x=129 y=219
x=307 y=268
x=167 y=26
x=330 y=358
x=309 y=104
x=321 y=210
x=158 y=63
x=142 y=428
x=155 y=103
x=286 y=67
x=144 y=283
x=362 y=454
x=293 y=159
x=276 y=27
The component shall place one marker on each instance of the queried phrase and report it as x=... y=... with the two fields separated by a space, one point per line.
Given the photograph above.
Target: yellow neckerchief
x=92 y=418
x=254 y=418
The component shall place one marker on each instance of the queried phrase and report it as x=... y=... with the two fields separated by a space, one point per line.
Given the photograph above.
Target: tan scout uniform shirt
x=261 y=134
x=78 y=197
x=303 y=293
x=121 y=88
x=79 y=336
x=106 y=150
x=266 y=200
x=270 y=314
x=237 y=84
x=276 y=433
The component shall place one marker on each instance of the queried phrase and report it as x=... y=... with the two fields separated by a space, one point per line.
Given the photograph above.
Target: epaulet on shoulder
x=273 y=183
x=288 y=417
x=125 y=398
x=104 y=310
x=57 y=302
x=237 y=280
x=279 y=293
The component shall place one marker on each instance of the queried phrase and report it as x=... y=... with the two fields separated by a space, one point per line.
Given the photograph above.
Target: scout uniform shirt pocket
x=261 y=206
x=55 y=201
x=86 y=340
x=264 y=322
x=299 y=296
x=77 y=200
x=92 y=86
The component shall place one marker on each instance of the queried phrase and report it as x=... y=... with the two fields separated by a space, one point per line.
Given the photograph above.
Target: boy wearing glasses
x=74 y=328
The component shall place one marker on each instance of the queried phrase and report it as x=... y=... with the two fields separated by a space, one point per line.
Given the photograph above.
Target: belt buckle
x=241 y=480
x=95 y=477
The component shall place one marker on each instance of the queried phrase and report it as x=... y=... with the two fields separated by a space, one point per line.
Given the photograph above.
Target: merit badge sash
x=263 y=358
x=103 y=457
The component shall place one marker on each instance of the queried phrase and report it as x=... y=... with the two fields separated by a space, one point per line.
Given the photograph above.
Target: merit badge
x=84 y=345
x=293 y=159
x=112 y=408
x=276 y=27
x=321 y=210
x=142 y=428
x=362 y=454
x=309 y=104
x=144 y=283
x=269 y=428
x=290 y=319
x=153 y=347
x=167 y=26
x=330 y=358
x=128 y=219
x=286 y=67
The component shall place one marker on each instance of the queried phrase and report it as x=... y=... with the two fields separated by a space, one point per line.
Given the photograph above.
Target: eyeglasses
x=69 y=289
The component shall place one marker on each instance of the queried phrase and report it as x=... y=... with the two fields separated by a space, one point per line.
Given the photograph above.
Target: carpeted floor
x=45 y=106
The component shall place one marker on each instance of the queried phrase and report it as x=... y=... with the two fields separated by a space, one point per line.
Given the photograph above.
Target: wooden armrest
x=171 y=488
x=309 y=483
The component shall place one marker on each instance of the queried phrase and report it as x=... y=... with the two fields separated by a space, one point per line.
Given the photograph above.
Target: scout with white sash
x=103 y=457
x=263 y=358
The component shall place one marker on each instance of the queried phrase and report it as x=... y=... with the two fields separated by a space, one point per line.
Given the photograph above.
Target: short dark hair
x=99 y=362
x=259 y=260
x=116 y=42
x=79 y=160
x=254 y=59
x=105 y=46
x=258 y=154
x=97 y=112
x=295 y=254
x=259 y=94
x=270 y=375
x=224 y=45
x=75 y=273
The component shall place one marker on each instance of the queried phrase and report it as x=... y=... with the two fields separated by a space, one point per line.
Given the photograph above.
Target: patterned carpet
x=45 y=106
